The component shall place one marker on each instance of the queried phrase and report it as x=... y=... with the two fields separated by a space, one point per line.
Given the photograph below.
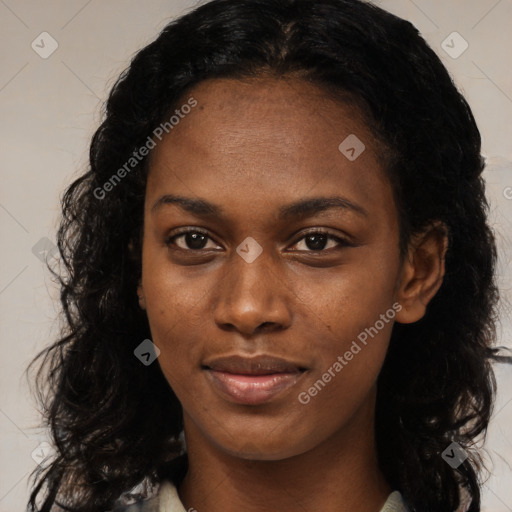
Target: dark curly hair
x=437 y=384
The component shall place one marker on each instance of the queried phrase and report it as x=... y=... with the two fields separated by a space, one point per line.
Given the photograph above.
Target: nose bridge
x=250 y=292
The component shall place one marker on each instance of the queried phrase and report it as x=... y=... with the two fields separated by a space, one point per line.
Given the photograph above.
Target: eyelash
x=317 y=231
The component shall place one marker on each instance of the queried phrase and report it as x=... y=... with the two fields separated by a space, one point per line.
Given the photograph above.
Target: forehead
x=284 y=112
x=267 y=138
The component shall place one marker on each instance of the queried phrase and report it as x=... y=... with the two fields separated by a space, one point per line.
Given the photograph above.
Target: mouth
x=252 y=381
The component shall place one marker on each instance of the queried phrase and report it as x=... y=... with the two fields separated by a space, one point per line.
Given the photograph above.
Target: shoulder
x=150 y=505
x=164 y=497
x=395 y=503
x=167 y=500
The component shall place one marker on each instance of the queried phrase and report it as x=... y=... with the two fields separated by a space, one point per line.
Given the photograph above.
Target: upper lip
x=259 y=365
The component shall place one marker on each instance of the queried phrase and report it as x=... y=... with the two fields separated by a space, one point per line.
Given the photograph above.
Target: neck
x=341 y=474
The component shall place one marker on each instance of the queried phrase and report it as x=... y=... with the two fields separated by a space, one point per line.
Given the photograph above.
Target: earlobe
x=422 y=273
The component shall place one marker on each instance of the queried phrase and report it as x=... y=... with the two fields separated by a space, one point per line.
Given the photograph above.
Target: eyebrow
x=301 y=208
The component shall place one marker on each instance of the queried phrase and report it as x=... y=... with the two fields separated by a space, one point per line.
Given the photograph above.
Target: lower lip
x=252 y=389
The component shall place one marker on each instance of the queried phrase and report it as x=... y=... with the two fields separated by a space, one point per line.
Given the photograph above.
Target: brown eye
x=318 y=241
x=192 y=240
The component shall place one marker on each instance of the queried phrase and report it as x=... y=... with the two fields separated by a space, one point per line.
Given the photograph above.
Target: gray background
x=49 y=109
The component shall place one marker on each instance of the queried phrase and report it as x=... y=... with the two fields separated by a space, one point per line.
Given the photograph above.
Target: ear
x=140 y=290
x=140 y=293
x=422 y=272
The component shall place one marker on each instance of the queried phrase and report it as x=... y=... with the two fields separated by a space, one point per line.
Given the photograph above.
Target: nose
x=253 y=297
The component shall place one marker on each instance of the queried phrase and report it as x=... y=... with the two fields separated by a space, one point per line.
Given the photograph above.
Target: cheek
x=344 y=301
x=345 y=376
x=172 y=297
x=354 y=315
x=173 y=308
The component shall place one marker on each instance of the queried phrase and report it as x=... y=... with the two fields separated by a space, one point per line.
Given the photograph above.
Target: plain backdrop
x=50 y=107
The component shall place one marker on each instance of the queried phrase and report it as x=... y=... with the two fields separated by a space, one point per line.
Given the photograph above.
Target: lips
x=254 y=380
x=260 y=365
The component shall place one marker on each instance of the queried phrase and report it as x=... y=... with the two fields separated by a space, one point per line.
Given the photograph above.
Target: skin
x=251 y=147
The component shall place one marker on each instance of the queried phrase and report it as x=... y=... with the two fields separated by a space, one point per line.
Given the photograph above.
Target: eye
x=193 y=239
x=318 y=240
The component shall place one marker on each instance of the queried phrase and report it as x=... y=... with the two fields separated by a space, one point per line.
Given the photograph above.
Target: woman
x=280 y=288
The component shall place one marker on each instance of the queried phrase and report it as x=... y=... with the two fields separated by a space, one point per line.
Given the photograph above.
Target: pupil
x=318 y=242
x=194 y=240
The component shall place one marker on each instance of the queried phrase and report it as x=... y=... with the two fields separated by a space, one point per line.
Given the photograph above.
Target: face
x=290 y=265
